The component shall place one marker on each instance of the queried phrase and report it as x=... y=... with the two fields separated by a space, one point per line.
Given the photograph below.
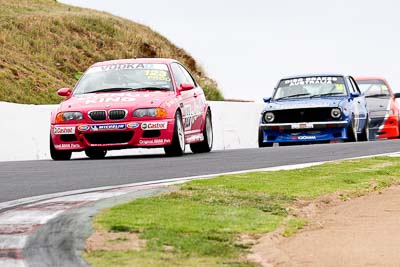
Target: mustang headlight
x=269 y=117
x=336 y=113
x=150 y=112
x=69 y=116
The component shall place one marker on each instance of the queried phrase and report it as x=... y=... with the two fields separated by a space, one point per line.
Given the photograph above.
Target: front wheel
x=96 y=153
x=177 y=148
x=364 y=136
x=261 y=140
x=59 y=154
x=352 y=132
x=207 y=143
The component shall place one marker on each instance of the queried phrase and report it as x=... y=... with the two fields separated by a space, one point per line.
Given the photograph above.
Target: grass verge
x=203 y=223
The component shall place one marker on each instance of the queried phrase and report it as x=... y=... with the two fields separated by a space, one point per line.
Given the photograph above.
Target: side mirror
x=354 y=95
x=64 y=92
x=267 y=99
x=397 y=95
x=186 y=86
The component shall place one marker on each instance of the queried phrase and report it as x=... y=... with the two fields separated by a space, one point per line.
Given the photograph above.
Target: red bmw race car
x=383 y=110
x=132 y=103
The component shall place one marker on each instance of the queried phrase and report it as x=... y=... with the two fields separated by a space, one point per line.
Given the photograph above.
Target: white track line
x=165 y=182
x=46 y=207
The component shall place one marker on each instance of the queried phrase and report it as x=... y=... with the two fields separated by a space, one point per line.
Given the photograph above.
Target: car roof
x=136 y=61
x=365 y=78
x=313 y=75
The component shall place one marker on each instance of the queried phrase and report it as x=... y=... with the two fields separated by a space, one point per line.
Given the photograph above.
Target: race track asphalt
x=31 y=178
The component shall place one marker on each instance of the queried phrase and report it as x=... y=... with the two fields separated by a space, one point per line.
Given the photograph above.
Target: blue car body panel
x=317 y=126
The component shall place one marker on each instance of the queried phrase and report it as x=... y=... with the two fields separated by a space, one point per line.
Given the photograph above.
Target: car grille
x=97 y=115
x=68 y=137
x=117 y=114
x=303 y=115
x=151 y=134
x=109 y=138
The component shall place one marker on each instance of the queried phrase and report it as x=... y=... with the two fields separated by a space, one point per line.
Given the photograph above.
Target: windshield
x=305 y=87
x=125 y=77
x=374 y=88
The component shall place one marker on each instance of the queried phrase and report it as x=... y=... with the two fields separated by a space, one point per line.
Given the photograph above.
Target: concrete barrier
x=24 y=130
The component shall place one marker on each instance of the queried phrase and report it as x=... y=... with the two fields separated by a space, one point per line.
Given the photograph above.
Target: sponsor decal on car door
x=188 y=103
x=187 y=96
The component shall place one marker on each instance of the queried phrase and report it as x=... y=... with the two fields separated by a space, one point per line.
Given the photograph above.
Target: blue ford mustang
x=313 y=109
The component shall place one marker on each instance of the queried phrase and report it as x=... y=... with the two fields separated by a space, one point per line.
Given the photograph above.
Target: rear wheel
x=261 y=140
x=364 y=136
x=352 y=132
x=59 y=154
x=96 y=153
x=177 y=148
x=398 y=128
x=207 y=143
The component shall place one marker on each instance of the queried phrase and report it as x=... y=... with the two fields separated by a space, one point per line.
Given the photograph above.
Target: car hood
x=304 y=103
x=116 y=100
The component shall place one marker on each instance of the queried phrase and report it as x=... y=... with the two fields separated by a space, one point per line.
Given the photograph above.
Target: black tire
x=352 y=132
x=177 y=148
x=399 y=128
x=261 y=139
x=59 y=154
x=205 y=145
x=364 y=136
x=96 y=153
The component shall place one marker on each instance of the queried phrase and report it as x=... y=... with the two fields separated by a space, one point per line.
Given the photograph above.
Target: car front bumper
x=304 y=132
x=384 y=127
x=109 y=136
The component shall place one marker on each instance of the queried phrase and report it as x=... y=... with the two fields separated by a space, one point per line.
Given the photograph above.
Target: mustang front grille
x=109 y=138
x=303 y=115
x=98 y=115
x=117 y=114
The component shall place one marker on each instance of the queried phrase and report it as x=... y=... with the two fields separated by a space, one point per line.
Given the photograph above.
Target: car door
x=187 y=97
x=198 y=100
x=359 y=105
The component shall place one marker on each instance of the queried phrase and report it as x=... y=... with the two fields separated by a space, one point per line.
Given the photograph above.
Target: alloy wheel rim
x=209 y=132
x=181 y=135
x=354 y=131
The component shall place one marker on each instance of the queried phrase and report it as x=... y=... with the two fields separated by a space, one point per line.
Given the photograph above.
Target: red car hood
x=116 y=100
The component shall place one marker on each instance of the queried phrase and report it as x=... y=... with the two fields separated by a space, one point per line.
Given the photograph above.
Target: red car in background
x=132 y=103
x=383 y=109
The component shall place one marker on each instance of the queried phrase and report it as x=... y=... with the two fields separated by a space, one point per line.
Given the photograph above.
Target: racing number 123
x=157 y=75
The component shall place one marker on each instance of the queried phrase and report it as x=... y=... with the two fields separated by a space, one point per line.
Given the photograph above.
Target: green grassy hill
x=44 y=45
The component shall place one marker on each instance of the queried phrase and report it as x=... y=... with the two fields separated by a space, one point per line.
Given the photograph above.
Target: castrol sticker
x=64 y=130
x=154 y=125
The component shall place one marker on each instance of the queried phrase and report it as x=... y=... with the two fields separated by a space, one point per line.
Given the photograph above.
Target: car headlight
x=269 y=117
x=150 y=112
x=336 y=113
x=69 y=116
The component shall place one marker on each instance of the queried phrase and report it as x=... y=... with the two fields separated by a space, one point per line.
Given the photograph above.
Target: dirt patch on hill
x=364 y=231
